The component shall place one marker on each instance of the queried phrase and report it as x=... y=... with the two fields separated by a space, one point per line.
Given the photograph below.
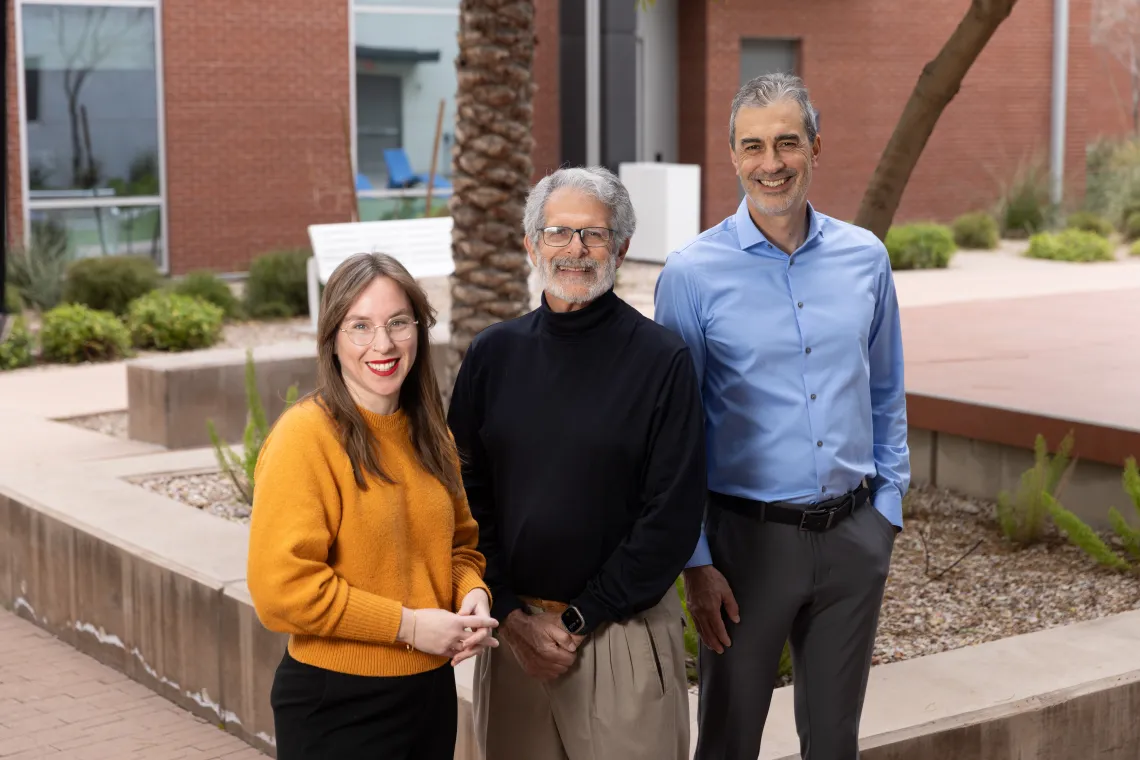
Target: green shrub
x=13 y=301
x=16 y=351
x=167 y=321
x=277 y=285
x=1112 y=173
x=1070 y=245
x=977 y=230
x=109 y=283
x=1024 y=206
x=920 y=246
x=1135 y=249
x=1022 y=516
x=241 y=469
x=209 y=287
x=37 y=272
x=1089 y=222
x=1132 y=226
x=74 y=333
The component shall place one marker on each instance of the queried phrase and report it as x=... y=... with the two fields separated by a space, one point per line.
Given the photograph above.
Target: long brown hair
x=419 y=395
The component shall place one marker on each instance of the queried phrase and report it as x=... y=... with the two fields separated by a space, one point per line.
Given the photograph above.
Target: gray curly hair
x=595 y=181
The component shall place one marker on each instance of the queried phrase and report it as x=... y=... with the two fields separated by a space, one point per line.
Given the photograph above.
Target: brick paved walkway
x=56 y=702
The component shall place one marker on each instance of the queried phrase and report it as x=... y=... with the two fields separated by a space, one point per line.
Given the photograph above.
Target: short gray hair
x=767 y=89
x=595 y=181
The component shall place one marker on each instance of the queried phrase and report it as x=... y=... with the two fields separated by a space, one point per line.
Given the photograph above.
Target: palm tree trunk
x=491 y=167
x=936 y=87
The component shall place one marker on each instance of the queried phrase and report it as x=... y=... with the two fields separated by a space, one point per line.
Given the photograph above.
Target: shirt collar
x=749 y=235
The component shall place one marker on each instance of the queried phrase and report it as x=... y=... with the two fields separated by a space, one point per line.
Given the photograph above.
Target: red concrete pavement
x=58 y=703
x=1071 y=356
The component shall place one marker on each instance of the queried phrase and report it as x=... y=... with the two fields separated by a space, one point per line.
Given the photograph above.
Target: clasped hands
x=458 y=635
x=542 y=646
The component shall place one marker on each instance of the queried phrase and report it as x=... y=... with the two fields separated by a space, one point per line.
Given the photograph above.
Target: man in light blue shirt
x=793 y=325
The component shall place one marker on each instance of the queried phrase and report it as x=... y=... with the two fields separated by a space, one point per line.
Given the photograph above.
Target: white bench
x=423 y=246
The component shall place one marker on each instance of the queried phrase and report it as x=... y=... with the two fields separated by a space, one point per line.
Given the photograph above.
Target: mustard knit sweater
x=333 y=565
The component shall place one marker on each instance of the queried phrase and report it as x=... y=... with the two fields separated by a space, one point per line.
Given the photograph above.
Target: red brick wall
x=15 y=221
x=256 y=100
x=861 y=59
x=547 y=152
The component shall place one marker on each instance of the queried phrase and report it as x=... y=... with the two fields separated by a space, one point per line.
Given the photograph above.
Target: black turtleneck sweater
x=582 y=437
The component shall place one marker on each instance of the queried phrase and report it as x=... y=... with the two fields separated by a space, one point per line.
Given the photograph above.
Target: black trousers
x=319 y=714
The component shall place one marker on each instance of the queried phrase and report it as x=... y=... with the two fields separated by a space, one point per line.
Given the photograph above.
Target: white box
x=667 y=201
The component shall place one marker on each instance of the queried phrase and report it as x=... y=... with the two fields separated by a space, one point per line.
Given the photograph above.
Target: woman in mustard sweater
x=362 y=546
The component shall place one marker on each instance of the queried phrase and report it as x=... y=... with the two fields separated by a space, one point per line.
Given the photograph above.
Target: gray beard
x=604 y=277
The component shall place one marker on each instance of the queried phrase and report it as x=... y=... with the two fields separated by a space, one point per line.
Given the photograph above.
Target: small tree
x=1115 y=28
x=240 y=468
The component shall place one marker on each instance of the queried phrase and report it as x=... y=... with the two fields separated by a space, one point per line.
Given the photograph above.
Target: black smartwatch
x=572 y=620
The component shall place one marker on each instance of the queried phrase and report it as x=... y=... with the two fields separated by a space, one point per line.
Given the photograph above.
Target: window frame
x=406 y=9
x=27 y=204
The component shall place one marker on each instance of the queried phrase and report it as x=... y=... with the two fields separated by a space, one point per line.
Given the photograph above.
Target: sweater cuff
x=464 y=580
x=369 y=617
x=593 y=612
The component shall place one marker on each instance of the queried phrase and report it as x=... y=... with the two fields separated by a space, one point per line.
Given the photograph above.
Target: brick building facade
x=258 y=111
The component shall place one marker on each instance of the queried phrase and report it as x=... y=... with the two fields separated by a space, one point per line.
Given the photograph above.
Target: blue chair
x=362 y=182
x=400 y=172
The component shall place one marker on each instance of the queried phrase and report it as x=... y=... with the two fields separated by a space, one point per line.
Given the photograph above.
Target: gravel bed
x=110 y=423
x=994 y=592
x=212 y=492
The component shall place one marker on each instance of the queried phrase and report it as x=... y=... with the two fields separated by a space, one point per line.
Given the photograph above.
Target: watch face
x=572 y=619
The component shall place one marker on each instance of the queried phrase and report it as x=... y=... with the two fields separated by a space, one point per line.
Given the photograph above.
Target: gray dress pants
x=820 y=590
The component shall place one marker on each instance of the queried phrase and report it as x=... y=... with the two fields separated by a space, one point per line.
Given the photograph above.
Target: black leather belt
x=818 y=517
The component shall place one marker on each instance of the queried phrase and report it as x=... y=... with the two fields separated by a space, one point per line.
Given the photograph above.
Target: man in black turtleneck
x=581 y=432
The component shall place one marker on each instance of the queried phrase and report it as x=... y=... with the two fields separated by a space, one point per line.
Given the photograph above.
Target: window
x=92 y=129
x=403 y=68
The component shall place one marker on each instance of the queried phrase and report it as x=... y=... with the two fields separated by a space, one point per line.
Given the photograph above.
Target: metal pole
x=1060 y=92
x=593 y=82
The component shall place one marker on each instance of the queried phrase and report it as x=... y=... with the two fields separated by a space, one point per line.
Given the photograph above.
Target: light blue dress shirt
x=800 y=362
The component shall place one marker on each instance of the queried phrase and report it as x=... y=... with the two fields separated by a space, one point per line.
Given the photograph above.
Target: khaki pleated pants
x=626 y=696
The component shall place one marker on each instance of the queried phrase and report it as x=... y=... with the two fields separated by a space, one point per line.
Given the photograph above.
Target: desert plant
x=16 y=351
x=73 y=333
x=167 y=321
x=1070 y=245
x=1132 y=226
x=277 y=285
x=209 y=287
x=109 y=283
x=977 y=230
x=1022 y=515
x=1089 y=222
x=920 y=246
x=1024 y=205
x=1086 y=539
x=240 y=468
x=37 y=271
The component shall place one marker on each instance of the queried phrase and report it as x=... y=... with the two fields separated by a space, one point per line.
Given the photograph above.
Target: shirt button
x=813 y=397
x=807 y=350
x=800 y=304
x=819 y=443
x=823 y=490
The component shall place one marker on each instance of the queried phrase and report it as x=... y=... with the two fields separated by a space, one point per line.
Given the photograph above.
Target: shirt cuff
x=888 y=500
x=701 y=555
